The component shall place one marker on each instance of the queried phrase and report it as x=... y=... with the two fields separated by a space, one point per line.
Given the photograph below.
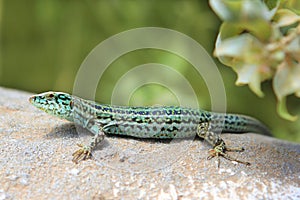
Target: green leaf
x=242 y=46
x=228 y=30
x=244 y=53
x=226 y=60
x=293 y=48
x=244 y=16
x=249 y=74
x=293 y=5
x=285 y=17
x=272 y=4
x=260 y=28
x=286 y=80
x=283 y=112
x=255 y=9
x=241 y=10
x=227 y=10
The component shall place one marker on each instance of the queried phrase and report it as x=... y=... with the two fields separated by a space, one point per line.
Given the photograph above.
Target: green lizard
x=146 y=122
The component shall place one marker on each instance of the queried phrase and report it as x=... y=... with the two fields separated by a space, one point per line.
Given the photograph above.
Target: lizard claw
x=82 y=154
x=219 y=150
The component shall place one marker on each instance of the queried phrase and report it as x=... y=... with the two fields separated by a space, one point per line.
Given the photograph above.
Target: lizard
x=160 y=122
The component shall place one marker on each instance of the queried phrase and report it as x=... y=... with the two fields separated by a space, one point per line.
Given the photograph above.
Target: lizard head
x=55 y=103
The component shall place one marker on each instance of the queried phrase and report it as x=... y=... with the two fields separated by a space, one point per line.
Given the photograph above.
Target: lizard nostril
x=31 y=99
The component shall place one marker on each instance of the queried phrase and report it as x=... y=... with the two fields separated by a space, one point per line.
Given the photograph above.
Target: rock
x=36 y=154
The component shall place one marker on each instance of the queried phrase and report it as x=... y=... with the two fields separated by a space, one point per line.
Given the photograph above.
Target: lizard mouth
x=31 y=99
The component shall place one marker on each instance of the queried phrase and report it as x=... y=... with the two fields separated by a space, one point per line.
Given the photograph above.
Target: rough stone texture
x=36 y=152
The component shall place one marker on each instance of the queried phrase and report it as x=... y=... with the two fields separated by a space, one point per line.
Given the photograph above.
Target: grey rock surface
x=36 y=152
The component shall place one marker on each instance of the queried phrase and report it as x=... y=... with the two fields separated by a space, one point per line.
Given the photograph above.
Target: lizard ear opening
x=71 y=104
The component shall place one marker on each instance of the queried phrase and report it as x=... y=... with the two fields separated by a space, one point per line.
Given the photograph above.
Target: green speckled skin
x=143 y=122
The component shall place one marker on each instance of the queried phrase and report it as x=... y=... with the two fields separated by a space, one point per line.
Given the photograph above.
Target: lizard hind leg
x=219 y=146
x=220 y=150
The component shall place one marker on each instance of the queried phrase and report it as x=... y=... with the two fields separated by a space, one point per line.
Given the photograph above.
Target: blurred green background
x=43 y=43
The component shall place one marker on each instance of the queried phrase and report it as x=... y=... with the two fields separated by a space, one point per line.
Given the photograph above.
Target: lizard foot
x=82 y=154
x=220 y=149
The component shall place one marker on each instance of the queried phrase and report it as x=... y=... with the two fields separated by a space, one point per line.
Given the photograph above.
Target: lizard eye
x=51 y=95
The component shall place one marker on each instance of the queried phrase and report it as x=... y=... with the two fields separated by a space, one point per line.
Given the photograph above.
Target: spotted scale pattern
x=143 y=122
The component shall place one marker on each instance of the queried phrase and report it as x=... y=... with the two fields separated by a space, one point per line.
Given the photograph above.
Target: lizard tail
x=240 y=124
x=249 y=124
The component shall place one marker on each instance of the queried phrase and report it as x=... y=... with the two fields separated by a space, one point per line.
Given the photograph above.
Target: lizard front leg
x=85 y=151
x=219 y=146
